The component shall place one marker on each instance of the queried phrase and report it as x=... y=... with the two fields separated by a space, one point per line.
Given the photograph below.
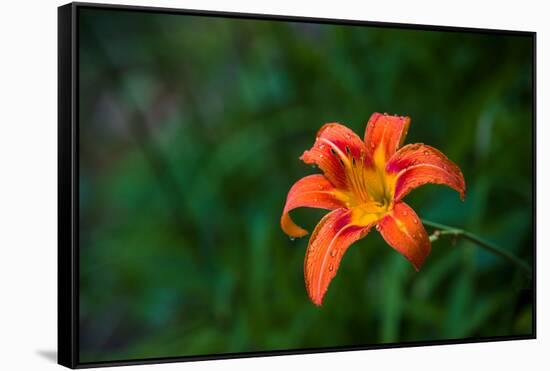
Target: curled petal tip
x=300 y=234
x=316 y=299
x=290 y=228
x=317 y=302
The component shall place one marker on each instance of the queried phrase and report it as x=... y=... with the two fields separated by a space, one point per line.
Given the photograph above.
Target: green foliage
x=190 y=133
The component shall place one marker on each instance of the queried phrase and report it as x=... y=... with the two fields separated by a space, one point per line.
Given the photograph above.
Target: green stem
x=442 y=229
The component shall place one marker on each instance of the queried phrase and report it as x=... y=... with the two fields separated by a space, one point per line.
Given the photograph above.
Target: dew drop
x=378 y=227
x=348 y=136
x=292 y=238
x=372 y=145
x=385 y=113
x=333 y=253
x=320 y=156
x=321 y=146
x=405 y=213
x=320 y=186
x=426 y=153
x=331 y=268
x=415 y=221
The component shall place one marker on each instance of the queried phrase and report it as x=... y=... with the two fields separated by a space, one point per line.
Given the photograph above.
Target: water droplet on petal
x=385 y=113
x=426 y=153
x=348 y=136
x=333 y=253
x=372 y=145
x=292 y=238
x=378 y=227
x=415 y=221
x=320 y=156
x=321 y=146
x=405 y=213
x=331 y=268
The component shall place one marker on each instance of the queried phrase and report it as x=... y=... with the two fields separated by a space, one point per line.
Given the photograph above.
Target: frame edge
x=67 y=350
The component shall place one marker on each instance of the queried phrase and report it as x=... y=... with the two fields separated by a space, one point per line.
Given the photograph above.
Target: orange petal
x=328 y=243
x=310 y=191
x=335 y=148
x=385 y=133
x=403 y=230
x=418 y=164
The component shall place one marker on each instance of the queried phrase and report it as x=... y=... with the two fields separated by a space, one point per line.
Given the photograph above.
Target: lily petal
x=418 y=164
x=335 y=148
x=403 y=230
x=384 y=134
x=311 y=191
x=327 y=245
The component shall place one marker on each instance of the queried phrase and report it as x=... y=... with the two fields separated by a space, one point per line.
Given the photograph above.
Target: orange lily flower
x=363 y=184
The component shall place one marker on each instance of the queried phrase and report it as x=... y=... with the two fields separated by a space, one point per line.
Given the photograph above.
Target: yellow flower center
x=371 y=189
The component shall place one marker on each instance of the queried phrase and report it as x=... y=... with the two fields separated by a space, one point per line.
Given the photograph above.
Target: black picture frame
x=68 y=191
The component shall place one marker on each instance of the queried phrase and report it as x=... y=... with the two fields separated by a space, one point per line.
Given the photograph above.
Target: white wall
x=28 y=181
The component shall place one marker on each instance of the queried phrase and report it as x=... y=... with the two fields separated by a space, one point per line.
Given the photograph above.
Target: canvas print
x=261 y=185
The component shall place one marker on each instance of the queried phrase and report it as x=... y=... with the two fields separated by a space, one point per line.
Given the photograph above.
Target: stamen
x=362 y=175
x=336 y=150
x=359 y=173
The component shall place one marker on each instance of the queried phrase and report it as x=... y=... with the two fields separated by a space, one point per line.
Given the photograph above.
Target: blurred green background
x=190 y=133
